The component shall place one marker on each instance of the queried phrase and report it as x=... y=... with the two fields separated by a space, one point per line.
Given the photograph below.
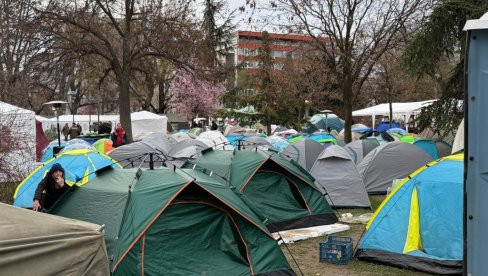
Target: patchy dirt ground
x=306 y=253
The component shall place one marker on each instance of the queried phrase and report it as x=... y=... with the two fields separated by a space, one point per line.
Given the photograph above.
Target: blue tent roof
x=421 y=221
x=385 y=125
x=79 y=166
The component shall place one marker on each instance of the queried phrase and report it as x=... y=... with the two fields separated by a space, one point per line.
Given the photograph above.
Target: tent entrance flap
x=275 y=197
x=194 y=237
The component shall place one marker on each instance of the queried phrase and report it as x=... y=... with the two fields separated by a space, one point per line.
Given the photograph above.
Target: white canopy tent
x=143 y=122
x=399 y=110
x=18 y=132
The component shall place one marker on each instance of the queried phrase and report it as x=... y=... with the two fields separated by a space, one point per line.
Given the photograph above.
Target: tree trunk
x=124 y=107
x=124 y=84
x=347 y=96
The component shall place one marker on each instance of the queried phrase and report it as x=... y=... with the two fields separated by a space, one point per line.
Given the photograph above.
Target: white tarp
x=402 y=110
x=143 y=122
x=18 y=132
x=398 y=109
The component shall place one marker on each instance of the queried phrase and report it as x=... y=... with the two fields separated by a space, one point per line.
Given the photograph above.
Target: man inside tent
x=50 y=189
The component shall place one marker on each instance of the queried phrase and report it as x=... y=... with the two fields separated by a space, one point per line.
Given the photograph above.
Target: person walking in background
x=118 y=136
x=50 y=189
x=214 y=126
x=74 y=131
x=80 y=130
x=65 y=131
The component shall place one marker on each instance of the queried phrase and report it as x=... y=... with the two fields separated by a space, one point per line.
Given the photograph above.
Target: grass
x=306 y=253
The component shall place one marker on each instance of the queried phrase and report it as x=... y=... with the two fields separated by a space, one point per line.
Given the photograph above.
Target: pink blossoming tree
x=193 y=95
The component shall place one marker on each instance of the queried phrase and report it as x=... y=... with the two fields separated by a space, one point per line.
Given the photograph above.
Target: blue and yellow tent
x=420 y=224
x=79 y=166
x=48 y=152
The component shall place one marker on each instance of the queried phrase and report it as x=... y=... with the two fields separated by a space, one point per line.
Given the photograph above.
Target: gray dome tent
x=253 y=142
x=304 y=152
x=443 y=148
x=395 y=160
x=131 y=155
x=359 y=149
x=336 y=174
x=186 y=150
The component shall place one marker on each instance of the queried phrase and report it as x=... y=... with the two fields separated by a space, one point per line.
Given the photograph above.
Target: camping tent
x=278 y=190
x=359 y=149
x=337 y=177
x=278 y=142
x=332 y=121
x=420 y=224
x=180 y=136
x=400 y=110
x=387 y=162
x=253 y=142
x=459 y=139
x=215 y=139
x=79 y=165
x=42 y=244
x=137 y=154
x=185 y=150
x=103 y=145
x=443 y=148
x=385 y=125
x=18 y=138
x=143 y=122
x=304 y=152
x=428 y=146
x=170 y=222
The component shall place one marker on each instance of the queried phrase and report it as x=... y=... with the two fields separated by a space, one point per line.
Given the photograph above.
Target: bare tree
x=352 y=35
x=21 y=50
x=17 y=143
x=122 y=33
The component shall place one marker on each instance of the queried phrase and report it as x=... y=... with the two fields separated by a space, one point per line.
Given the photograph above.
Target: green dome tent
x=179 y=222
x=278 y=190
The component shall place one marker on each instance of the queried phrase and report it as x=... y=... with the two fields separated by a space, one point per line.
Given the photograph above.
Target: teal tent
x=174 y=222
x=280 y=191
x=428 y=146
x=420 y=224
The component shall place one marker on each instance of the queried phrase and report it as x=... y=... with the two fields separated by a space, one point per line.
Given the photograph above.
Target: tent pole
x=57 y=121
x=373 y=119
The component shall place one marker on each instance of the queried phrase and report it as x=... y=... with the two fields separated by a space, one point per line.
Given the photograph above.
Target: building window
x=278 y=66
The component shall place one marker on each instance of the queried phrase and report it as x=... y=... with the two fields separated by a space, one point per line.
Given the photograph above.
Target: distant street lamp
x=56 y=106
x=326 y=112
